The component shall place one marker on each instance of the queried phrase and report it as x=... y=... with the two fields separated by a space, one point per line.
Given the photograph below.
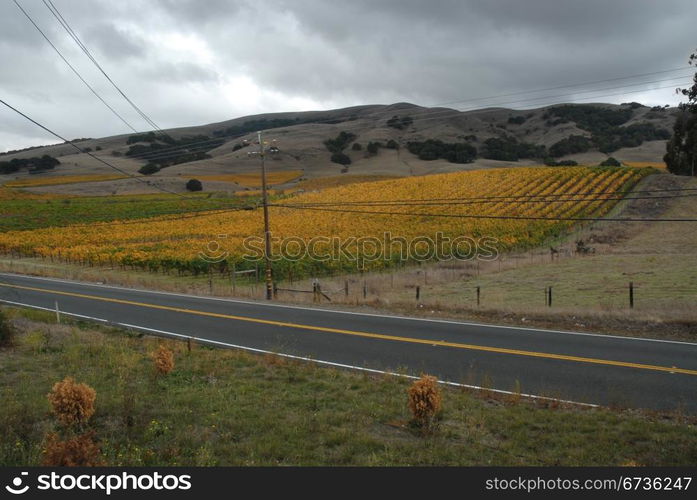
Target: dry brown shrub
x=164 y=360
x=71 y=403
x=424 y=401
x=79 y=451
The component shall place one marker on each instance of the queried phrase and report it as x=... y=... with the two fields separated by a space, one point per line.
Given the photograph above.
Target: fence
x=457 y=284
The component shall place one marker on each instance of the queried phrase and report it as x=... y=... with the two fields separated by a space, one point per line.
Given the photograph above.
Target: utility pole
x=267 y=232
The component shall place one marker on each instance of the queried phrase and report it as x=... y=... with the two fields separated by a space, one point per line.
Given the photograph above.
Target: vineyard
x=513 y=208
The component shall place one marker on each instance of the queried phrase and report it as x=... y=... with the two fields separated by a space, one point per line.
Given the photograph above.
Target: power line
x=560 y=87
x=139 y=179
x=56 y=13
x=544 y=98
x=73 y=68
x=426 y=116
x=498 y=217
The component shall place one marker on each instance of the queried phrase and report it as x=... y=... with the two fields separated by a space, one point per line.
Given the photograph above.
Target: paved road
x=573 y=366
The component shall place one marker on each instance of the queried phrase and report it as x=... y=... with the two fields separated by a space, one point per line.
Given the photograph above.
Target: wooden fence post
x=418 y=293
x=478 y=295
x=631 y=295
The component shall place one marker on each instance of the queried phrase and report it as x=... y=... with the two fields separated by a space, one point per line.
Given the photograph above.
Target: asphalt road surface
x=588 y=368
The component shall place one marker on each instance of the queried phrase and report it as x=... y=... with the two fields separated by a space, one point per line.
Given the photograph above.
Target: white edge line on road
x=302 y=358
x=336 y=311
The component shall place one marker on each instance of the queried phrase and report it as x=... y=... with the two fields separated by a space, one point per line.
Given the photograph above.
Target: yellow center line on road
x=380 y=336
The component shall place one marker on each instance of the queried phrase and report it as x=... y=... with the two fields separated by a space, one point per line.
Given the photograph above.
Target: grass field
x=32 y=211
x=225 y=407
x=254 y=180
x=64 y=179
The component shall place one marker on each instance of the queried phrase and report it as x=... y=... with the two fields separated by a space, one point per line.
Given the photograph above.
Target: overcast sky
x=191 y=62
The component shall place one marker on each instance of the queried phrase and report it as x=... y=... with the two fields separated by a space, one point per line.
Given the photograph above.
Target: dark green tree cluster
x=571 y=145
x=681 y=150
x=186 y=149
x=516 y=120
x=551 y=162
x=433 y=149
x=591 y=118
x=630 y=137
x=340 y=158
x=373 y=148
x=606 y=127
x=509 y=149
x=270 y=123
x=610 y=162
x=256 y=125
x=340 y=142
x=400 y=122
x=337 y=145
x=149 y=169
x=194 y=185
x=36 y=164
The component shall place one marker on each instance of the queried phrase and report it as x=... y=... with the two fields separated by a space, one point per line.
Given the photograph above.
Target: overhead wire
x=101 y=160
x=77 y=73
x=561 y=86
x=435 y=114
x=494 y=217
x=64 y=23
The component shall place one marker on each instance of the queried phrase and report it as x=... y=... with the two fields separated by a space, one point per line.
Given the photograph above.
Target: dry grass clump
x=78 y=451
x=71 y=403
x=164 y=360
x=424 y=401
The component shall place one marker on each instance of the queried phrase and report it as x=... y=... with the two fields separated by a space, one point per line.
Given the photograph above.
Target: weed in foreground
x=164 y=360
x=71 y=403
x=424 y=401
x=78 y=451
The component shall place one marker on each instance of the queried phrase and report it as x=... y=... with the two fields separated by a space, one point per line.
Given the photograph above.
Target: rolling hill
x=405 y=133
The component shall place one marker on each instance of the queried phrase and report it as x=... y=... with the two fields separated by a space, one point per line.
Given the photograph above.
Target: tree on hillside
x=611 y=162
x=681 y=150
x=194 y=185
x=149 y=169
x=341 y=158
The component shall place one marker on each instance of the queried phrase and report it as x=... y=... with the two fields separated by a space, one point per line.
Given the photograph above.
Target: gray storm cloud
x=189 y=62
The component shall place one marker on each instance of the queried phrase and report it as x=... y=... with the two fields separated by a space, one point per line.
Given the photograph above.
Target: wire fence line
x=447 y=284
